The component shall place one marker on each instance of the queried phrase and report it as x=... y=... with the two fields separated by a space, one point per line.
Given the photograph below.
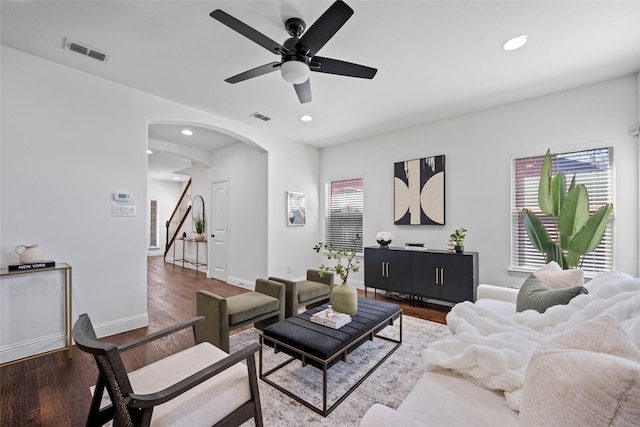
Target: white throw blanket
x=493 y=350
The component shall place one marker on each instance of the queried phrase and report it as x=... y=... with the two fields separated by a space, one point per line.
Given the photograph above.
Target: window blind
x=345 y=206
x=594 y=169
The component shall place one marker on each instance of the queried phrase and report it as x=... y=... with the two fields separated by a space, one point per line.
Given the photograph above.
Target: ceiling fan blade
x=248 y=32
x=304 y=92
x=324 y=28
x=342 y=68
x=258 y=71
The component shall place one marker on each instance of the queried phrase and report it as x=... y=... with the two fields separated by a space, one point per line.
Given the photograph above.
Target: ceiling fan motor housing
x=295 y=27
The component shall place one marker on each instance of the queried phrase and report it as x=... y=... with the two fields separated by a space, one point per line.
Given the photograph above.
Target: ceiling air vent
x=85 y=50
x=260 y=116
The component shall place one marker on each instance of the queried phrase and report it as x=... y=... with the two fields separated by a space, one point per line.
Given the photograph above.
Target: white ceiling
x=435 y=59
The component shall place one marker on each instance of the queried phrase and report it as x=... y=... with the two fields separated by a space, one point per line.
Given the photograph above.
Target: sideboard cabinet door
x=444 y=276
x=387 y=269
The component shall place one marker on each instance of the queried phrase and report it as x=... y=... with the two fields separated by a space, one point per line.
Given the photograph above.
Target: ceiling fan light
x=295 y=72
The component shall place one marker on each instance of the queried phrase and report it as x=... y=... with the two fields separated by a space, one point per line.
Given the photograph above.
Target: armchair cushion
x=194 y=407
x=308 y=290
x=249 y=306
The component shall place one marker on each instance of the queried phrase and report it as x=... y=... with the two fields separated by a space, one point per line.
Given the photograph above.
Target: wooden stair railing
x=178 y=217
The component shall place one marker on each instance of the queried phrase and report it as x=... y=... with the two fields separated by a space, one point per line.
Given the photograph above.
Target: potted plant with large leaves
x=577 y=232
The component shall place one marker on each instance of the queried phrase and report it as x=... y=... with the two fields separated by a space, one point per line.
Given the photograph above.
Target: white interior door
x=220 y=230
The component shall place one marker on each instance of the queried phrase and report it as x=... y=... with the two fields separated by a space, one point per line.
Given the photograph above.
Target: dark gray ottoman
x=322 y=347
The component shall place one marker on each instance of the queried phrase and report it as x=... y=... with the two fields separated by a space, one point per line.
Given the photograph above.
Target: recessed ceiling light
x=187 y=132
x=515 y=42
x=306 y=118
x=176 y=178
x=149 y=152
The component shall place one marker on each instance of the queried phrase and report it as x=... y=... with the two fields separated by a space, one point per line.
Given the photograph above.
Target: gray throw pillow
x=534 y=294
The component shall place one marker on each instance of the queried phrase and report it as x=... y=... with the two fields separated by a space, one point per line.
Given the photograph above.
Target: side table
x=197 y=264
x=66 y=270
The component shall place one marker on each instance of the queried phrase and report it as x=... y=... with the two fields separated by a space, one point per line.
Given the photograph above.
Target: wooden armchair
x=201 y=385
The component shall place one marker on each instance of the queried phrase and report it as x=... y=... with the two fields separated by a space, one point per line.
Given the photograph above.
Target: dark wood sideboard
x=441 y=276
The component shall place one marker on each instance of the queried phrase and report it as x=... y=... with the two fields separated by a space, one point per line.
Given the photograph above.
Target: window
x=153 y=224
x=594 y=169
x=345 y=206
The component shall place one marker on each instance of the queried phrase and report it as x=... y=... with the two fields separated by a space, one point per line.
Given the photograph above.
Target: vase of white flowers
x=384 y=239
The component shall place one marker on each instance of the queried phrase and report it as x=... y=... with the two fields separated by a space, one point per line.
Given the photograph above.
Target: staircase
x=178 y=217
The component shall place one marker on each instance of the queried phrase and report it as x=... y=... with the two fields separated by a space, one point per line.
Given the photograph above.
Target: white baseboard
x=15 y=351
x=19 y=350
x=242 y=283
x=121 y=325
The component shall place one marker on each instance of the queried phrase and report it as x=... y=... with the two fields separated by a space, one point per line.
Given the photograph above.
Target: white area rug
x=388 y=385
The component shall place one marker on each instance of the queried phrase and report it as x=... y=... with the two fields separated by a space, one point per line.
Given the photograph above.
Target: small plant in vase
x=198 y=224
x=344 y=298
x=458 y=239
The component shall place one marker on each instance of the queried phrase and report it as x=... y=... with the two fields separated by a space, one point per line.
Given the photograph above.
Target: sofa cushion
x=590 y=375
x=535 y=295
x=383 y=416
x=308 y=290
x=250 y=305
x=443 y=398
x=557 y=278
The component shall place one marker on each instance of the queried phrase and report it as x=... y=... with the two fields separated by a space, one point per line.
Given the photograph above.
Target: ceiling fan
x=298 y=54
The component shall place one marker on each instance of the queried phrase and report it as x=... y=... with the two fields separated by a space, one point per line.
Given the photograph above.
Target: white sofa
x=579 y=362
x=443 y=398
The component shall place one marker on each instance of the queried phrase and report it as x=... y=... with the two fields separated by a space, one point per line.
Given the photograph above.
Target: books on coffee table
x=335 y=321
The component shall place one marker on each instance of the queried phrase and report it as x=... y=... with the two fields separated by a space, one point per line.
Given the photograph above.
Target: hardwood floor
x=54 y=391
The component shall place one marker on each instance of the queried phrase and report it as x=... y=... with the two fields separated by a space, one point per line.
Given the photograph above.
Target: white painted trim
x=121 y=325
x=19 y=350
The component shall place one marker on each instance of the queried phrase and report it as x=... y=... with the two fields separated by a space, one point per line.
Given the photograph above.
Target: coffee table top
x=324 y=342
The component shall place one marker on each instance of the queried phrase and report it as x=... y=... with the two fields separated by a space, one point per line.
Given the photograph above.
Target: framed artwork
x=419 y=191
x=296 y=208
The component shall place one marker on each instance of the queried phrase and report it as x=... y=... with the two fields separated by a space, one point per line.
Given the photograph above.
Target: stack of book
x=335 y=320
x=32 y=265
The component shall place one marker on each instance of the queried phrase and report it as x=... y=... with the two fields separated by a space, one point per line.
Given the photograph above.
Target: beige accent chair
x=200 y=385
x=262 y=307
x=308 y=293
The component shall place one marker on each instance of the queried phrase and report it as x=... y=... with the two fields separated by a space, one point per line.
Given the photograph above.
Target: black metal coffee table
x=322 y=347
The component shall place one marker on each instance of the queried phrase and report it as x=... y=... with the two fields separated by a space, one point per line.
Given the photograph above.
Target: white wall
x=68 y=141
x=167 y=194
x=478 y=149
x=293 y=167
x=245 y=168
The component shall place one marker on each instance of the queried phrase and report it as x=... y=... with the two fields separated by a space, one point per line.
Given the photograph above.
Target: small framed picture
x=296 y=208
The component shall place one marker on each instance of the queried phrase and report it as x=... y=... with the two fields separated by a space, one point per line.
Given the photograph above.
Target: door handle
x=213 y=235
x=385 y=269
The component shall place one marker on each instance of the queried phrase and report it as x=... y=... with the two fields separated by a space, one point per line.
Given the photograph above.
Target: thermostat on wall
x=121 y=197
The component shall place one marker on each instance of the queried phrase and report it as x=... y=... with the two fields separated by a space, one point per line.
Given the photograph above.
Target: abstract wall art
x=419 y=191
